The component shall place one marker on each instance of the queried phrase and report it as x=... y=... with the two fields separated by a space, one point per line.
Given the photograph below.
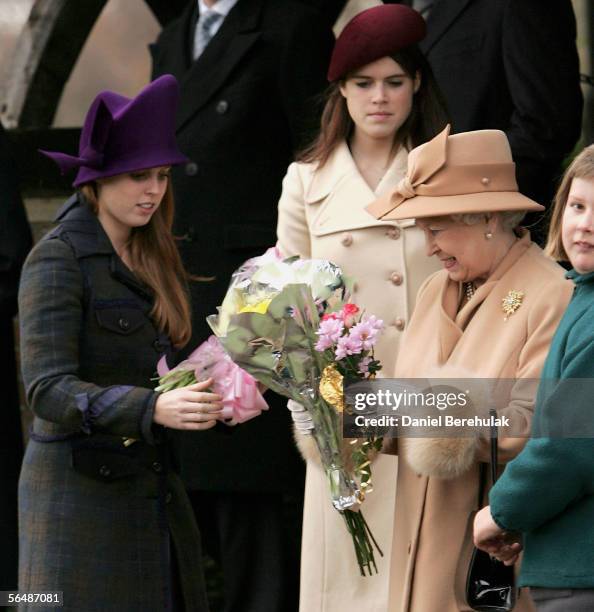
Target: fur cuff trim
x=307 y=446
x=309 y=449
x=444 y=458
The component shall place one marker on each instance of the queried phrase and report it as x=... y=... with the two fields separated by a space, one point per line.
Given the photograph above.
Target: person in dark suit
x=247 y=104
x=513 y=66
x=15 y=242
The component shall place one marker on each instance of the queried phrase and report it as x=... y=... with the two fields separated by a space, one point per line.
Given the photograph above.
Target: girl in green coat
x=544 y=501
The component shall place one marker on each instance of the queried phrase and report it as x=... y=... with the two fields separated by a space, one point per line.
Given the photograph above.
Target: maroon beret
x=372 y=34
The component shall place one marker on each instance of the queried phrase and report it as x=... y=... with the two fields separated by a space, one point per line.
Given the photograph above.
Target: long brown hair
x=427 y=118
x=581 y=167
x=156 y=262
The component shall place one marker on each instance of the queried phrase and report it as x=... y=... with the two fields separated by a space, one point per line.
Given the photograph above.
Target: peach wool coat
x=432 y=512
x=322 y=215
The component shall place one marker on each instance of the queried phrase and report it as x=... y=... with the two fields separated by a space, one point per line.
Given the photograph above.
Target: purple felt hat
x=372 y=34
x=122 y=134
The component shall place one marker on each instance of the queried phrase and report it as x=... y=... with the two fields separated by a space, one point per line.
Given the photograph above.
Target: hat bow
x=424 y=167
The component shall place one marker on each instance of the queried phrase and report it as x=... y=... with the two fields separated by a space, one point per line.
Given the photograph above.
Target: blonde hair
x=156 y=262
x=581 y=167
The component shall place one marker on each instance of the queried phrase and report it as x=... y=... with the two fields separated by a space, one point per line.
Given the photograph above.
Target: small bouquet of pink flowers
x=290 y=325
x=242 y=399
x=351 y=338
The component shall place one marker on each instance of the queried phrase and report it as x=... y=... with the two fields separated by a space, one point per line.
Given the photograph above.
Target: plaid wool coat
x=100 y=520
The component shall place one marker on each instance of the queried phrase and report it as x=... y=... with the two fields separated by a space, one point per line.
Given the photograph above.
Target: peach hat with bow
x=470 y=172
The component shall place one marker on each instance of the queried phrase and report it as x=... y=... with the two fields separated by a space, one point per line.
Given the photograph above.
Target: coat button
x=399 y=324
x=104 y=471
x=393 y=233
x=396 y=278
x=347 y=240
x=485 y=181
x=157 y=467
x=168 y=497
x=124 y=324
x=159 y=346
x=191 y=169
x=222 y=107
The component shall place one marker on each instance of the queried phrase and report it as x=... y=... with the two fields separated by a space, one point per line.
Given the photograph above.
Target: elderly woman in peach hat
x=462 y=191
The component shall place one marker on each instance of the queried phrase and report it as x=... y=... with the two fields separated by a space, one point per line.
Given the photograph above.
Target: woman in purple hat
x=103 y=516
x=382 y=101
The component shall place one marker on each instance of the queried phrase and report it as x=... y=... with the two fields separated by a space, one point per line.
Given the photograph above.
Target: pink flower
x=347 y=345
x=349 y=314
x=329 y=332
x=364 y=365
x=323 y=343
x=376 y=323
x=366 y=333
x=330 y=315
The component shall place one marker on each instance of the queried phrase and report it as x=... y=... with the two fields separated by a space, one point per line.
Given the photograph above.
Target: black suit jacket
x=511 y=65
x=15 y=242
x=329 y=9
x=247 y=104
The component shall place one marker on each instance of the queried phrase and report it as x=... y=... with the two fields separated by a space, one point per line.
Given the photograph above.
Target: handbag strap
x=494 y=453
x=493 y=463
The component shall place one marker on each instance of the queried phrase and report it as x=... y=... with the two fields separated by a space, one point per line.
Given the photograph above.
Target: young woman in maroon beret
x=382 y=102
x=103 y=516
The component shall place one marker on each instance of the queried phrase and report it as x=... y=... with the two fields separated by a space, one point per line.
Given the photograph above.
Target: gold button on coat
x=396 y=278
x=347 y=240
x=393 y=233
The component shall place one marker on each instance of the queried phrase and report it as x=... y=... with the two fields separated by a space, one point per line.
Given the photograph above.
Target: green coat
x=99 y=520
x=547 y=492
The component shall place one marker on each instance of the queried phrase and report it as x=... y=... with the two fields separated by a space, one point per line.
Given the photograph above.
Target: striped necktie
x=204 y=31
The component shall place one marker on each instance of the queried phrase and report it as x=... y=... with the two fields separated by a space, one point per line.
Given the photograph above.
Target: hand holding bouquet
x=289 y=324
x=242 y=399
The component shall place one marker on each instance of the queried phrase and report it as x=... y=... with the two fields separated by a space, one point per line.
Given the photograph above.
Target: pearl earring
x=488 y=235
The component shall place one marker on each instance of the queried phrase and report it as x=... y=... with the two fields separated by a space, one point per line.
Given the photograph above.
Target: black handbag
x=490 y=586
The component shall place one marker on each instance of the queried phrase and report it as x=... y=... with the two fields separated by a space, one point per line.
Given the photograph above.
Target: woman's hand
x=488 y=536
x=188 y=408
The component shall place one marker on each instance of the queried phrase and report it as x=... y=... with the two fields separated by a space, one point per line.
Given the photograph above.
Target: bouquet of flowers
x=242 y=399
x=290 y=325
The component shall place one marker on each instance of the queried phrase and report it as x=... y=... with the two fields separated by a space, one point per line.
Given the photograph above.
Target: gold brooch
x=511 y=302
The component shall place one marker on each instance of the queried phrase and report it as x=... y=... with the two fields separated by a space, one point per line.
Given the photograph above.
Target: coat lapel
x=209 y=72
x=123 y=275
x=346 y=194
x=449 y=331
x=441 y=17
x=452 y=322
x=174 y=49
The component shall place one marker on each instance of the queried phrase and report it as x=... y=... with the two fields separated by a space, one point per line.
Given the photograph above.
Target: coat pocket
x=119 y=316
x=347 y=225
x=103 y=464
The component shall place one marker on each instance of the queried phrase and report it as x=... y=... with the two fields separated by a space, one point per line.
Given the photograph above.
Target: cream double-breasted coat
x=431 y=513
x=322 y=215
